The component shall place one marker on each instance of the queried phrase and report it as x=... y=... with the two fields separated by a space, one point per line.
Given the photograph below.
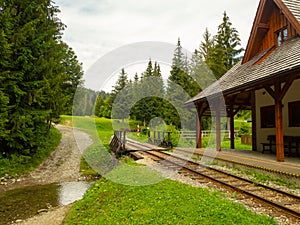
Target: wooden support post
x=218 y=130
x=253 y=119
x=200 y=110
x=278 y=93
x=231 y=118
x=199 y=131
x=279 y=132
x=124 y=139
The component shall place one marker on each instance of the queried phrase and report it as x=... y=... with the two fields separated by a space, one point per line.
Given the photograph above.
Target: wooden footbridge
x=120 y=144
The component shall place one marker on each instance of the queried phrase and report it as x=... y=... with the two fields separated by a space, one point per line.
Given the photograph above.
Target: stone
x=42 y=211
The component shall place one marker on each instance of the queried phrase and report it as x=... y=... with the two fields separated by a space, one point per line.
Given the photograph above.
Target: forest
x=40 y=74
x=149 y=96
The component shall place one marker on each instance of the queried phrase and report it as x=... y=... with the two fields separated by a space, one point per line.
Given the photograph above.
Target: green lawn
x=167 y=202
x=131 y=194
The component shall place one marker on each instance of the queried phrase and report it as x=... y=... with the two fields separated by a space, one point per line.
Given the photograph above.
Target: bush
x=245 y=129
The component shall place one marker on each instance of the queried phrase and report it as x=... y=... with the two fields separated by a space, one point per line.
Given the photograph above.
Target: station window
x=294 y=112
x=282 y=35
x=267 y=116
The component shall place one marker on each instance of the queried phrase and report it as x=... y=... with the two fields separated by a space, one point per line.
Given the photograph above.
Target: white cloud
x=95 y=27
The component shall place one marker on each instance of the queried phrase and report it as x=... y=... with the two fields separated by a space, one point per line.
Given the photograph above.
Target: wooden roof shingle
x=283 y=59
x=294 y=7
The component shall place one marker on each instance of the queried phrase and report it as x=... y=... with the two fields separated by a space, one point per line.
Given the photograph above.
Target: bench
x=290 y=143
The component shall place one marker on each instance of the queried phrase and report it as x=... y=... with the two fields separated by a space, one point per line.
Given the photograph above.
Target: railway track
x=282 y=201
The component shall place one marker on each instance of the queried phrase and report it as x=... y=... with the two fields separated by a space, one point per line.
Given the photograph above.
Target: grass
x=100 y=130
x=167 y=202
x=17 y=165
x=131 y=194
x=265 y=178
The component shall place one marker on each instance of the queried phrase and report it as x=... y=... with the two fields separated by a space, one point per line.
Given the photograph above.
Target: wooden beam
x=218 y=130
x=279 y=132
x=291 y=18
x=231 y=121
x=263 y=26
x=278 y=122
x=253 y=114
x=199 y=132
x=286 y=87
x=270 y=91
x=200 y=111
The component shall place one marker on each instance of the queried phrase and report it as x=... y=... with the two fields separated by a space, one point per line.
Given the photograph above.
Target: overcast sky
x=96 y=27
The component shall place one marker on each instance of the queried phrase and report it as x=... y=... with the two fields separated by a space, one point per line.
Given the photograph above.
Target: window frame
x=282 y=35
x=293 y=114
x=266 y=118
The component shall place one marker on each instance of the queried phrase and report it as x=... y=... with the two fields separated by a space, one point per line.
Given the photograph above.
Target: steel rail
x=289 y=211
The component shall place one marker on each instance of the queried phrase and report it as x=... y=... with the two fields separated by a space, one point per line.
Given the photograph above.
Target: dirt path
x=63 y=165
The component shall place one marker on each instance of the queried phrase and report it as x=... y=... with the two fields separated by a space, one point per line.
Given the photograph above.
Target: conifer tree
x=119 y=97
x=33 y=76
x=227 y=48
x=207 y=47
x=181 y=87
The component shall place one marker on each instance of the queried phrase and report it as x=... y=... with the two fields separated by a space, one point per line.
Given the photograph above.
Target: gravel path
x=63 y=165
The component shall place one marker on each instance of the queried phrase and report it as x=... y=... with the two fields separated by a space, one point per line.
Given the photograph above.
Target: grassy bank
x=17 y=164
x=167 y=202
x=161 y=202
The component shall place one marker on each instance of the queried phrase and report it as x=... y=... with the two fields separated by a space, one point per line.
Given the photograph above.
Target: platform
x=257 y=160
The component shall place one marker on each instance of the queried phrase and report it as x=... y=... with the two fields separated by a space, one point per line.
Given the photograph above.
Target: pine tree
x=119 y=97
x=200 y=72
x=181 y=87
x=149 y=70
x=147 y=105
x=207 y=47
x=227 y=48
x=32 y=73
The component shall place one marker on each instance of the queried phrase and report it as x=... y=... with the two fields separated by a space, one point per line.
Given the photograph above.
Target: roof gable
x=272 y=15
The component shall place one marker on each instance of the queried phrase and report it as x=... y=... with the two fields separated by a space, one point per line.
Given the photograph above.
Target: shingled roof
x=294 y=7
x=283 y=59
x=251 y=71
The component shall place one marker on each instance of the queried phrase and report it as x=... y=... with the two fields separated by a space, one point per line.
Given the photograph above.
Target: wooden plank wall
x=277 y=21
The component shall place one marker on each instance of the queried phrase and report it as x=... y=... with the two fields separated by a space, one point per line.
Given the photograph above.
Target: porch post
x=200 y=111
x=278 y=94
x=279 y=132
x=231 y=116
x=199 y=130
x=218 y=130
x=254 y=136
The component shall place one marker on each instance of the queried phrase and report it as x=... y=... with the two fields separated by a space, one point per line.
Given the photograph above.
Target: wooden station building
x=266 y=81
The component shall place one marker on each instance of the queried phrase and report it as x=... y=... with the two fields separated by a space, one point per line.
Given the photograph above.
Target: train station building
x=266 y=82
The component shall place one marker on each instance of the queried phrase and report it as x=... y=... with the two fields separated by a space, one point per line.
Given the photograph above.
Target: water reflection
x=71 y=192
x=26 y=202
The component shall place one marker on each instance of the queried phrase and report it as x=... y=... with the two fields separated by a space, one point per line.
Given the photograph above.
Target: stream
x=20 y=204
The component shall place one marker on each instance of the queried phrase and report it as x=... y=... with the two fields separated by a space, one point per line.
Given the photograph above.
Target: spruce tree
x=32 y=73
x=181 y=87
x=207 y=47
x=227 y=48
x=147 y=105
x=119 y=97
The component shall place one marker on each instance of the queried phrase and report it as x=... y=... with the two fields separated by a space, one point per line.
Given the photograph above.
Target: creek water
x=20 y=204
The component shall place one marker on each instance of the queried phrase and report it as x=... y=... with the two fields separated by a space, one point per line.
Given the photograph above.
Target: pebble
x=42 y=211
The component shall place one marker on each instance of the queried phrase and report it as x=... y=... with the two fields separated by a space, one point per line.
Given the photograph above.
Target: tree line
x=214 y=57
x=39 y=74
